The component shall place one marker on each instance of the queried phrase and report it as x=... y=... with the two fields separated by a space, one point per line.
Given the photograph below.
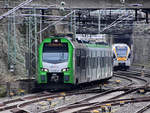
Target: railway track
x=115 y=97
x=10 y=104
x=21 y=102
x=135 y=75
x=90 y=101
x=93 y=97
x=142 y=110
x=114 y=103
x=93 y=100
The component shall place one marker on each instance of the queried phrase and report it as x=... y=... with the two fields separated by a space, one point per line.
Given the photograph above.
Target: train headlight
x=56 y=41
x=65 y=69
x=45 y=69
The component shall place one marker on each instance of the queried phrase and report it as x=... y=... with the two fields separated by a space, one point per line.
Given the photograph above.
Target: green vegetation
x=3 y=91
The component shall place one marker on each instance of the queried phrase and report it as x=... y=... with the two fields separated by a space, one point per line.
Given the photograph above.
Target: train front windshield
x=55 y=53
x=121 y=51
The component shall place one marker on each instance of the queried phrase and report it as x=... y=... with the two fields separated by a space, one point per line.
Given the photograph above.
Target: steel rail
x=114 y=103
x=143 y=109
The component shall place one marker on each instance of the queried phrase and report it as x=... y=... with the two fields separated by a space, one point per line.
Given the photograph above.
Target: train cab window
x=121 y=51
x=55 y=53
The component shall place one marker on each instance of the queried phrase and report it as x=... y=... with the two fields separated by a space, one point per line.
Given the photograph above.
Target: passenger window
x=103 y=61
x=95 y=62
x=78 y=57
x=83 y=62
x=78 y=61
x=87 y=61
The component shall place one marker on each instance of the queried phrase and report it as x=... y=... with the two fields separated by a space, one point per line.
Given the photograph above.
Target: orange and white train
x=121 y=56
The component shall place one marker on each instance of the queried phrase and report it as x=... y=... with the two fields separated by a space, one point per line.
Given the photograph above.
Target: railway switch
x=122 y=103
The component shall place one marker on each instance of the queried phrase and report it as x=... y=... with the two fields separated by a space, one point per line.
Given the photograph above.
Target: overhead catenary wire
x=115 y=22
x=120 y=18
x=55 y=23
x=15 y=9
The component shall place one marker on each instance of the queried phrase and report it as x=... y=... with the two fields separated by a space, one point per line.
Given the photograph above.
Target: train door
x=83 y=66
x=94 y=64
x=97 y=54
x=100 y=64
x=111 y=57
x=103 y=65
x=90 y=64
x=87 y=65
x=77 y=65
x=109 y=63
x=106 y=63
x=100 y=72
x=93 y=70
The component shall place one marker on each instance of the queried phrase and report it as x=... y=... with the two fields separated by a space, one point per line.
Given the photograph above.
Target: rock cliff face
x=3 y=52
x=141 y=43
x=20 y=48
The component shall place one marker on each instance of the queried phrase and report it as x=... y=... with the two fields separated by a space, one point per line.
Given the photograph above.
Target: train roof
x=119 y=44
x=78 y=45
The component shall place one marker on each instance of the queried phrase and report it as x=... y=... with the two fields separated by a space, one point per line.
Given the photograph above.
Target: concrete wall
x=141 y=43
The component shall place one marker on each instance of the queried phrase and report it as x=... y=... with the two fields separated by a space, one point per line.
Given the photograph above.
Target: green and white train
x=63 y=62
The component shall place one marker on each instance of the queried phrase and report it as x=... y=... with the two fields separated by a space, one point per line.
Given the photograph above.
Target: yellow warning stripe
x=121 y=58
